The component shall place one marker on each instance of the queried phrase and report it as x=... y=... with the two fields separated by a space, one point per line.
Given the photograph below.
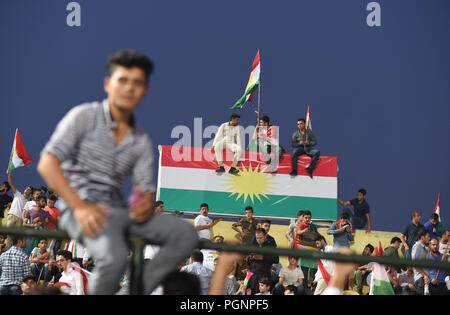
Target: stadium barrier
x=137 y=246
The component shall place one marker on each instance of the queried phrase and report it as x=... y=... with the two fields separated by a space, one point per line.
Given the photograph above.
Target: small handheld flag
x=437 y=209
x=19 y=156
x=308 y=120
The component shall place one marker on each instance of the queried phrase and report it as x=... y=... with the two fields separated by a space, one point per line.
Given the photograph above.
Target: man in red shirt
x=54 y=212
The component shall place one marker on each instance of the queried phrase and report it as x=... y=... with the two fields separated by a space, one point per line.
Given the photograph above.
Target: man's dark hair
x=264 y=280
x=345 y=215
x=395 y=239
x=319 y=237
x=204 y=205
x=158 y=203
x=27 y=277
x=266 y=221
x=52 y=197
x=362 y=191
x=261 y=230
x=434 y=216
x=249 y=208
x=181 y=283
x=42 y=238
x=266 y=119
x=43 y=188
x=40 y=197
x=292 y=288
x=129 y=59
x=422 y=232
x=300 y=212
x=16 y=238
x=65 y=253
x=301 y=119
x=8 y=187
x=370 y=246
x=234 y=116
x=306 y=212
x=197 y=256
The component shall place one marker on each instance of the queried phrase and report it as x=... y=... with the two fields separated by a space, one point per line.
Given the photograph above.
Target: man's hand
x=142 y=210
x=91 y=217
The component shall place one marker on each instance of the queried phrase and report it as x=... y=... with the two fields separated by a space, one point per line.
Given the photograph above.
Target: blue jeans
x=311 y=152
x=11 y=289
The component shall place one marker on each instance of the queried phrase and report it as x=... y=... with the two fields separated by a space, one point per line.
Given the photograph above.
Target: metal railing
x=137 y=245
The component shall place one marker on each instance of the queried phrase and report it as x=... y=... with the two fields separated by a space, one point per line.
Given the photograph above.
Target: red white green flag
x=380 y=284
x=19 y=156
x=187 y=178
x=252 y=84
x=437 y=209
x=308 y=120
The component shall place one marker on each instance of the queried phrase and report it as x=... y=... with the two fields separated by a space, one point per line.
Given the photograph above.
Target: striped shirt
x=95 y=167
x=14 y=266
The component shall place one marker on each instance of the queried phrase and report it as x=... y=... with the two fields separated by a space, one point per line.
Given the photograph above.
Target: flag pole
x=12 y=150
x=306 y=128
x=259 y=114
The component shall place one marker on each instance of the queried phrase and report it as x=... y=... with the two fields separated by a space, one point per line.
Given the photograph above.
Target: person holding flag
x=303 y=142
x=72 y=281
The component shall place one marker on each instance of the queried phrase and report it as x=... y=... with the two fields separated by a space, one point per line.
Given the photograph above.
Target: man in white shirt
x=18 y=203
x=228 y=137
x=71 y=281
x=327 y=265
x=419 y=251
x=203 y=223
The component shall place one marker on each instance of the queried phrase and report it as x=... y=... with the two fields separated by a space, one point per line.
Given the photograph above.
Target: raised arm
x=10 y=181
x=344 y=203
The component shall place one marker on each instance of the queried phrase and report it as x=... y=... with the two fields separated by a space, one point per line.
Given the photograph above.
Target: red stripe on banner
x=204 y=158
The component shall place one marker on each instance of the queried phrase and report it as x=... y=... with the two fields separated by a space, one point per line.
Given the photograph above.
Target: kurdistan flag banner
x=19 y=156
x=187 y=178
x=379 y=283
x=252 y=84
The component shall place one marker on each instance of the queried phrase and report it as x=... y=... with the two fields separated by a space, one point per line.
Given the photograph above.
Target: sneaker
x=293 y=173
x=233 y=171
x=221 y=169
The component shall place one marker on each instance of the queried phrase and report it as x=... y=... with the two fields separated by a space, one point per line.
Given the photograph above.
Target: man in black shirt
x=361 y=215
x=409 y=235
x=304 y=142
x=5 y=199
x=260 y=265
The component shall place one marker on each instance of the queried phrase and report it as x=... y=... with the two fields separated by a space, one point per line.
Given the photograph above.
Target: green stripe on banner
x=276 y=206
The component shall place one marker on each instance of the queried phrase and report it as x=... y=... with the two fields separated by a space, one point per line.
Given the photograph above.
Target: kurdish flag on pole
x=379 y=283
x=19 y=156
x=252 y=84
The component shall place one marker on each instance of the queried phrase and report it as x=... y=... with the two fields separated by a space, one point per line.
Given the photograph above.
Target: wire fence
x=137 y=246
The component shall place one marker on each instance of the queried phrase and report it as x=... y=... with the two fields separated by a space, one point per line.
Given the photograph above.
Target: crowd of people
x=29 y=264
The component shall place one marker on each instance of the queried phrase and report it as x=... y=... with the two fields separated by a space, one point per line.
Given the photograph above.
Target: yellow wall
x=278 y=232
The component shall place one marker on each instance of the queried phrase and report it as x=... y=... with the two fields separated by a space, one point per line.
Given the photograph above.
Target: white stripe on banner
x=282 y=185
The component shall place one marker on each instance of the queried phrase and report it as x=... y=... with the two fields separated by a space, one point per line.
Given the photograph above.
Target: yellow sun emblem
x=250 y=182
